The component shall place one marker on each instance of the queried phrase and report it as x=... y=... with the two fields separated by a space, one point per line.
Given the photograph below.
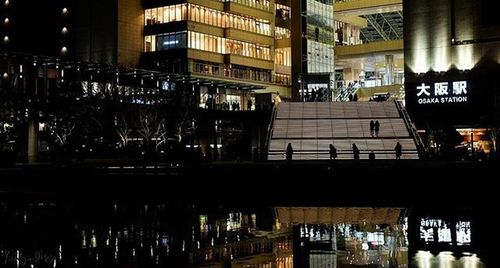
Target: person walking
x=249 y=103
x=399 y=150
x=333 y=152
x=277 y=99
x=289 y=152
x=371 y=156
x=372 y=128
x=376 y=128
x=355 y=151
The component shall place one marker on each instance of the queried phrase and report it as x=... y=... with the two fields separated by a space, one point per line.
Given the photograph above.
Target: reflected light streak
x=445 y=259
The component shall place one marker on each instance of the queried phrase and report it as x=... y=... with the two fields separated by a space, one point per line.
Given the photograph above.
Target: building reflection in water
x=445 y=259
x=132 y=234
x=59 y=234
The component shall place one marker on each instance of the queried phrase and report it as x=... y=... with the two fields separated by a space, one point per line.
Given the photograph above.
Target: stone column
x=389 y=69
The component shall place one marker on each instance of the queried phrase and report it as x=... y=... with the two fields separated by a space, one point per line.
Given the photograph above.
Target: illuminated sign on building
x=442 y=92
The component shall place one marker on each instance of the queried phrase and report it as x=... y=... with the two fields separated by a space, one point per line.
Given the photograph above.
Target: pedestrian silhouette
x=355 y=151
x=376 y=128
x=289 y=152
x=371 y=156
x=355 y=98
x=372 y=128
x=333 y=152
x=399 y=150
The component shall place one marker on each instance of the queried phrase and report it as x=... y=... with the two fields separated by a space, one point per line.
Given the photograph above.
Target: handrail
x=345 y=92
x=411 y=127
x=270 y=128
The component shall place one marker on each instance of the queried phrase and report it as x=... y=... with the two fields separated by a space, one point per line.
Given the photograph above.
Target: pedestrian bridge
x=312 y=127
x=366 y=7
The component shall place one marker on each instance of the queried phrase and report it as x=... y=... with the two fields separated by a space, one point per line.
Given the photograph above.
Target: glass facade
x=233 y=71
x=281 y=33
x=283 y=56
x=283 y=12
x=208 y=16
x=205 y=42
x=347 y=34
x=217 y=43
x=165 y=41
x=258 y=4
x=320 y=36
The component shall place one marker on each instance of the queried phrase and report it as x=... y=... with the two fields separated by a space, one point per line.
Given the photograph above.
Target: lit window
x=64 y=30
x=6 y=39
x=6 y=21
x=65 y=11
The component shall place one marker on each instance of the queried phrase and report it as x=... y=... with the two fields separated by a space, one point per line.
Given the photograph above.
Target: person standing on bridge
x=289 y=152
x=333 y=152
x=399 y=150
x=376 y=128
x=355 y=152
x=372 y=128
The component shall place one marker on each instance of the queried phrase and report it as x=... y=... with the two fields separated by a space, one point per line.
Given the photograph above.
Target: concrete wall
x=130 y=32
x=438 y=38
x=96 y=34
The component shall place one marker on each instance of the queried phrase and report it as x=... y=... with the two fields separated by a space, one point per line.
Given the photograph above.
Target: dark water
x=38 y=233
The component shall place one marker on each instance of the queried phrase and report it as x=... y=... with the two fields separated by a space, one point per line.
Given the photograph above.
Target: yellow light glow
x=420 y=58
x=465 y=57
x=441 y=59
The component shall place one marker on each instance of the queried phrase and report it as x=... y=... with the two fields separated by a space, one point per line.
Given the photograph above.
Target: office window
x=206 y=16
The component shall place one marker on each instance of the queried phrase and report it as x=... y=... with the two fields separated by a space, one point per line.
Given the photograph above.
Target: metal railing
x=341 y=154
x=411 y=127
x=344 y=93
x=270 y=128
x=264 y=5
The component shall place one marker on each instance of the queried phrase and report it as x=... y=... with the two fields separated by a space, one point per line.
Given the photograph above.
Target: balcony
x=284 y=42
x=249 y=8
x=236 y=34
x=250 y=62
x=369 y=48
x=366 y=7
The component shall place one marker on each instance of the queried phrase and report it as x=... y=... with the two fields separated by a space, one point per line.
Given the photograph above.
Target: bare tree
x=152 y=126
x=161 y=135
x=123 y=130
x=61 y=130
x=495 y=135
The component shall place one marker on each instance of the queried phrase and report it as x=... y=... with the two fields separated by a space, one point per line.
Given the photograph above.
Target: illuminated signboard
x=442 y=92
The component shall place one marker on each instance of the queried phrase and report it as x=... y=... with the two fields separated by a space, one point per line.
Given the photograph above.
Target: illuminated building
x=452 y=65
x=313 y=40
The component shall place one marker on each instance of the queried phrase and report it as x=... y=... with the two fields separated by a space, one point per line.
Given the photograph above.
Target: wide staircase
x=312 y=127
